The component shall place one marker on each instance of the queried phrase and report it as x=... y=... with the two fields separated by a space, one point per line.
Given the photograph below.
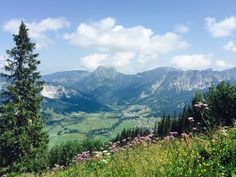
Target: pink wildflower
x=173 y=133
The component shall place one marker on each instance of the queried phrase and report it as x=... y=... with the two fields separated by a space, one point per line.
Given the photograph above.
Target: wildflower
x=105 y=151
x=194 y=128
x=225 y=127
x=185 y=136
x=57 y=167
x=151 y=135
x=104 y=161
x=82 y=157
x=98 y=154
x=197 y=106
x=169 y=137
x=147 y=139
x=173 y=133
x=124 y=140
x=191 y=119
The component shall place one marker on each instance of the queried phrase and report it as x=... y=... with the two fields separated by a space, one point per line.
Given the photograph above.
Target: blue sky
x=132 y=36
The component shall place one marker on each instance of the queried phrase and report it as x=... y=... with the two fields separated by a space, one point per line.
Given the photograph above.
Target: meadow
x=102 y=126
x=195 y=155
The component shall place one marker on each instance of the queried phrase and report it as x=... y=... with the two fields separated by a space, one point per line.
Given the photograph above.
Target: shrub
x=63 y=154
x=36 y=164
x=91 y=145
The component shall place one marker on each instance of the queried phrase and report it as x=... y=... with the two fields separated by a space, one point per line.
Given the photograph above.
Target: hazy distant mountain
x=163 y=89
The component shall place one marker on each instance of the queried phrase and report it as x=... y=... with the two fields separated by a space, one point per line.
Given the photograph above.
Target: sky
x=129 y=35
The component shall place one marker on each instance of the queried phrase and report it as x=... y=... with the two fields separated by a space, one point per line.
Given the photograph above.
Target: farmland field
x=103 y=125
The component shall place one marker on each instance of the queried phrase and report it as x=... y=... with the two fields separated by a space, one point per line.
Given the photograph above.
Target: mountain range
x=163 y=90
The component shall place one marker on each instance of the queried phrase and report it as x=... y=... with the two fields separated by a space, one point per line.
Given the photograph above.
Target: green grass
x=195 y=156
x=78 y=126
x=80 y=122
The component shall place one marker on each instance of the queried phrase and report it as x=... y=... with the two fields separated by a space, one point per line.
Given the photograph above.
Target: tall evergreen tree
x=21 y=124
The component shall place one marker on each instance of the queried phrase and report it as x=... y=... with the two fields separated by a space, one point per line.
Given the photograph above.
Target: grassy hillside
x=187 y=156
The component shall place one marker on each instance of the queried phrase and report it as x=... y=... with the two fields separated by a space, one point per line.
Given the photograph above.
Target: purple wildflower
x=173 y=133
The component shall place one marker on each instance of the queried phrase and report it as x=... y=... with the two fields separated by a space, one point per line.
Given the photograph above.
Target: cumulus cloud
x=221 y=28
x=188 y=62
x=121 y=46
x=106 y=35
x=181 y=28
x=230 y=46
x=199 y=62
x=221 y=64
x=118 y=60
x=38 y=30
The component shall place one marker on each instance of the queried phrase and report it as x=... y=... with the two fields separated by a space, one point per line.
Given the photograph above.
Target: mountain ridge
x=158 y=88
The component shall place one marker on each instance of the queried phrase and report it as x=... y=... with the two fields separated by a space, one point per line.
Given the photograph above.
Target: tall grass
x=186 y=156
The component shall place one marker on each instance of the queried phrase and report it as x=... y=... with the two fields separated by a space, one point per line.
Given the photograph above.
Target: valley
x=100 y=104
x=102 y=126
x=80 y=104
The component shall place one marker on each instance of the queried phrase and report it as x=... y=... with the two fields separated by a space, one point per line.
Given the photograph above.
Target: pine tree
x=21 y=124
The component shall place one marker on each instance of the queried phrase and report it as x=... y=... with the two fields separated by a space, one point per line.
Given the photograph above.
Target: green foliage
x=35 y=163
x=21 y=123
x=164 y=126
x=197 y=156
x=221 y=101
x=63 y=154
x=91 y=145
x=131 y=133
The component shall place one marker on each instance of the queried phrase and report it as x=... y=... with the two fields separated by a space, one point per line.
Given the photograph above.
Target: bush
x=63 y=154
x=35 y=164
x=91 y=145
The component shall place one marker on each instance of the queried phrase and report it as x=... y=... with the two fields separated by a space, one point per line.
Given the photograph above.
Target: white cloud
x=221 y=64
x=188 y=62
x=221 y=28
x=181 y=28
x=105 y=35
x=123 y=47
x=230 y=46
x=38 y=30
x=2 y=61
x=199 y=62
x=91 y=62
x=119 y=60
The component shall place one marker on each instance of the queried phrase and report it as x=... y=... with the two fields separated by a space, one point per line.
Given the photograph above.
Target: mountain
x=163 y=89
x=67 y=100
x=66 y=78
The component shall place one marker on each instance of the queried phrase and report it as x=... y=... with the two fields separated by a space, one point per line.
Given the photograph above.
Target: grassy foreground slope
x=186 y=156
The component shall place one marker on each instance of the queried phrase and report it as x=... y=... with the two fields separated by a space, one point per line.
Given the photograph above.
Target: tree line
x=208 y=111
